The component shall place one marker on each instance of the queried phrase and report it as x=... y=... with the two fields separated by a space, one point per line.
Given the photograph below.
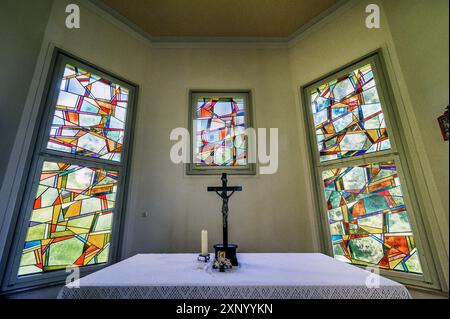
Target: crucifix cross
x=222 y=191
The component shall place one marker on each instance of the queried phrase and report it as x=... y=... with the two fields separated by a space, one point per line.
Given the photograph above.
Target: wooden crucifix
x=223 y=192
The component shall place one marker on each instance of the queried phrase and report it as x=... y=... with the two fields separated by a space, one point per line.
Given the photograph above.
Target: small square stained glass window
x=219 y=123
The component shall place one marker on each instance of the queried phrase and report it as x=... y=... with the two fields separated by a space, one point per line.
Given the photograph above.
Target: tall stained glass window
x=75 y=196
x=369 y=221
x=219 y=121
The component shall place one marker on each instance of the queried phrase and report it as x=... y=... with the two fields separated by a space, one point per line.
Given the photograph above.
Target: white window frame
x=40 y=153
x=397 y=154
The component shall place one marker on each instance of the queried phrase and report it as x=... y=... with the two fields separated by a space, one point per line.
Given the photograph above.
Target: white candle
x=204 y=242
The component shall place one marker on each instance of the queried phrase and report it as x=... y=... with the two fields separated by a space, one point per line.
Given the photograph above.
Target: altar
x=258 y=276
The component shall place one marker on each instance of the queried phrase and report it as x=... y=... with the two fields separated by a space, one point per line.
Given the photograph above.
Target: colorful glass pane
x=348 y=117
x=71 y=218
x=89 y=118
x=220 y=125
x=368 y=218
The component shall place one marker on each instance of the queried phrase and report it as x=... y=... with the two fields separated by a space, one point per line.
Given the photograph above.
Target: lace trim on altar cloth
x=235 y=292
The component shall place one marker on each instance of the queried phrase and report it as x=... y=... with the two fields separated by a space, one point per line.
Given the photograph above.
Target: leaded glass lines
x=368 y=219
x=71 y=218
x=348 y=118
x=219 y=127
x=89 y=118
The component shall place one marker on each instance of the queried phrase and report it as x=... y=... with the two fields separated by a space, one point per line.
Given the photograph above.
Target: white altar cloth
x=259 y=276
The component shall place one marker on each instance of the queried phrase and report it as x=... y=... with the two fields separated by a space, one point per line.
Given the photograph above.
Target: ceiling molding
x=334 y=11
x=117 y=19
x=207 y=42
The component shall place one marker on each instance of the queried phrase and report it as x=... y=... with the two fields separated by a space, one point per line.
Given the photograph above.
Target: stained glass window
x=348 y=117
x=219 y=125
x=89 y=118
x=77 y=177
x=71 y=218
x=368 y=218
